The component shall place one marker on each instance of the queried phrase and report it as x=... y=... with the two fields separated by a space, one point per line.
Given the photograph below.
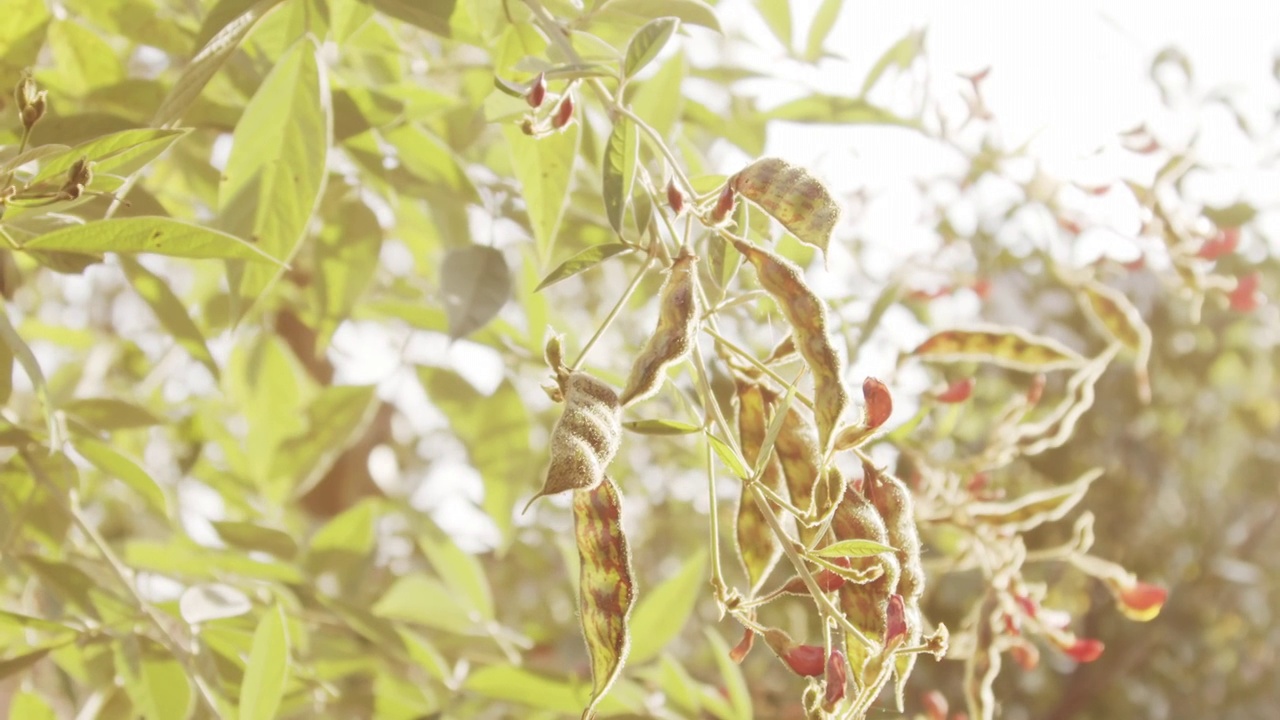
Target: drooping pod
x=675 y=334
x=807 y=316
x=797 y=449
x=758 y=547
x=792 y=196
x=606 y=586
x=865 y=604
x=585 y=438
x=894 y=502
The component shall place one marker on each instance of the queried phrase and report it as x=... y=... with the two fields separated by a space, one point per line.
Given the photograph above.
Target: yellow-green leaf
x=117 y=466
x=170 y=311
x=156 y=235
x=647 y=43
x=853 y=548
x=660 y=427
x=582 y=261
x=606 y=585
x=543 y=166
x=901 y=54
x=268 y=668
x=620 y=157
x=662 y=611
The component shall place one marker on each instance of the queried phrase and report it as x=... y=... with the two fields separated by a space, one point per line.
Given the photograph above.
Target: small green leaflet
x=116 y=154
x=853 y=549
x=170 y=310
x=901 y=54
x=647 y=43
x=584 y=260
x=833 y=110
x=660 y=427
x=729 y=457
x=619 y=171
x=694 y=12
x=475 y=283
x=115 y=465
x=157 y=235
x=823 y=21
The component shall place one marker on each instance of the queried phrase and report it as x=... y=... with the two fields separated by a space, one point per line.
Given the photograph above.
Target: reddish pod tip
x=879 y=402
x=836 y=680
x=1245 y=297
x=739 y=651
x=675 y=198
x=806 y=660
x=537 y=91
x=1142 y=601
x=1026 y=655
x=1224 y=243
x=724 y=204
x=1085 y=650
x=957 y=392
x=564 y=113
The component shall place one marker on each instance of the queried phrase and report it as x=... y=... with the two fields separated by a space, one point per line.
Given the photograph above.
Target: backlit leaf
x=476 y=283
x=823 y=21
x=853 y=548
x=620 y=156
x=543 y=166
x=833 y=110
x=583 y=261
x=268 y=668
x=258 y=538
x=460 y=571
x=170 y=311
x=110 y=414
x=121 y=468
x=660 y=427
x=694 y=12
x=1005 y=346
x=728 y=457
x=119 y=153
x=606 y=584
x=900 y=55
x=156 y=235
x=647 y=43
x=777 y=15
x=276 y=167
x=215 y=601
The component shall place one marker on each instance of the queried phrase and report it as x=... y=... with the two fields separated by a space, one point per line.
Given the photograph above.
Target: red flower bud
x=957 y=392
x=879 y=402
x=724 y=204
x=564 y=113
x=537 y=91
x=1245 y=298
x=1036 y=391
x=1142 y=601
x=836 y=680
x=806 y=660
x=739 y=651
x=1085 y=650
x=895 y=621
x=1224 y=243
x=830 y=580
x=935 y=705
x=675 y=198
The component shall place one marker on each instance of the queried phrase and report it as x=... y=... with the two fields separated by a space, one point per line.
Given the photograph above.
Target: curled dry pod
x=866 y=604
x=793 y=197
x=758 y=547
x=894 y=502
x=585 y=438
x=606 y=585
x=1117 y=316
x=1005 y=346
x=677 y=330
x=807 y=316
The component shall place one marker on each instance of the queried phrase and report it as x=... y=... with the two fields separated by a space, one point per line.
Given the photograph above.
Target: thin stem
x=613 y=314
x=824 y=603
x=717 y=574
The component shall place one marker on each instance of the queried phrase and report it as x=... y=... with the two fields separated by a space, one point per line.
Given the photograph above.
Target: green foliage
x=276 y=277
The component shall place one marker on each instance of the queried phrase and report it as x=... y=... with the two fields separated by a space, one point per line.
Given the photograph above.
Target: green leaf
x=117 y=466
x=336 y=419
x=583 y=261
x=834 y=110
x=663 y=611
x=729 y=457
x=213 y=601
x=620 y=157
x=823 y=21
x=268 y=668
x=543 y=167
x=731 y=673
x=84 y=61
x=276 y=167
x=27 y=359
x=156 y=235
x=250 y=536
x=1231 y=216
x=901 y=54
x=170 y=311
x=110 y=414
x=18 y=663
x=119 y=153
x=346 y=256
x=777 y=15
x=352 y=531
x=426 y=601
x=660 y=427
x=460 y=571
x=853 y=549
x=514 y=684
x=22 y=34
x=647 y=43
x=212 y=55
x=495 y=431
x=659 y=100
x=694 y=12
x=476 y=284
x=155 y=682
x=30 y=706
x=431 y=16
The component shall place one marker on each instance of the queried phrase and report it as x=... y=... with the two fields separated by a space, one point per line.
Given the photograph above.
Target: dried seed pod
x=865 y=605
x=782 y=351
x=758 y=547
x=983 y=665
x=606 y=585
x=797 y=449
x=1005 y=346
x=1117 y=316
x=894 y=502
x=793 y=197
x=956 y=392
x=677 y=330
x=807 y=316
x=585 y=438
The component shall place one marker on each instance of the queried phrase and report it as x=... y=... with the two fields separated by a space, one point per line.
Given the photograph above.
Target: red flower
x=1141 y=601
x=1245 y=298
x=1085 y=650
x=537 y=91
x=957 y=392
x=1224 y=243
